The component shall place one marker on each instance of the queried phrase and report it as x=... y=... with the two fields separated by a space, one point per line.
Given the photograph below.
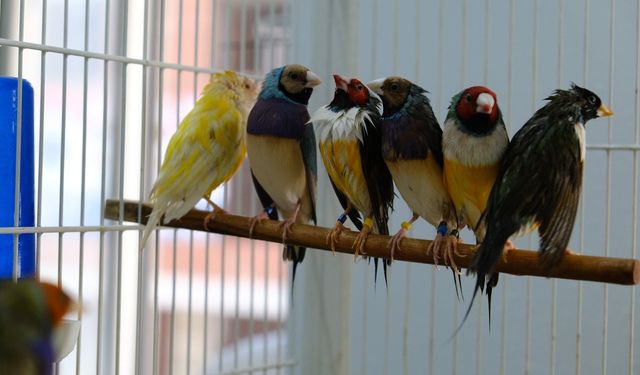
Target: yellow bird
x=473 y=142
x=206 y=150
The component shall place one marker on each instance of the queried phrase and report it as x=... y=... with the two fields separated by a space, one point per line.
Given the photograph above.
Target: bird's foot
x=568 y=251
x=334 y=233
x=508 y=246
x=217 y=210
x=255 y=220
x=446 y=246
x=360 y=241
x=394 y=242
x=286 y=227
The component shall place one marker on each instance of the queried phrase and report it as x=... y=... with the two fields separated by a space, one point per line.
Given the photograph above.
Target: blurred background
x=113 y=78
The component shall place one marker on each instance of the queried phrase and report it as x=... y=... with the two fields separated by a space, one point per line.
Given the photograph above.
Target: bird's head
x=397 y=93
x=293 y=82
x=477 y=108
x=57 y=301
x=245 y=89
x=590 y=104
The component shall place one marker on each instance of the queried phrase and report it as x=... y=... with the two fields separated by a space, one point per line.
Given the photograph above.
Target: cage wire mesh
x=113 y=78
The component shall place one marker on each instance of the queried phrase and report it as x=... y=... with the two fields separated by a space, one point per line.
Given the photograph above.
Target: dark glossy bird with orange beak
x=350 y=146
x=540 y=180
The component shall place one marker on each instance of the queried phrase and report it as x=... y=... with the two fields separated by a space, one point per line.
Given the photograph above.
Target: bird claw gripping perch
x=394 y=242
x=217 y=210
x=360 y=241
x=333 y=235
x=264 y=215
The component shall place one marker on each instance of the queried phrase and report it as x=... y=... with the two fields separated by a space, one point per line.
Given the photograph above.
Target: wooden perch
x=518 y=262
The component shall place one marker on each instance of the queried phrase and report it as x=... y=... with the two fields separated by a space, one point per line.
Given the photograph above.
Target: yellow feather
x=343 y=164
x=206 y=150
x=469 y=188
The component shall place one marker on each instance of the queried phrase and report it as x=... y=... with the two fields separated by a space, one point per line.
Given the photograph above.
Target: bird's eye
x=293 y=76
x=592 y=99
x=394 y=86
x=246 y=86
x=468 y=97
x=359 y=87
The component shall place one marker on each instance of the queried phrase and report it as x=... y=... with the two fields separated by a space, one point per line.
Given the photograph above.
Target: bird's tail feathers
x=294 y=254
x=152 y=223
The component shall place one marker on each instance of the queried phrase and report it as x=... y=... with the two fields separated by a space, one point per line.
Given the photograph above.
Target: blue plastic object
x=8 y=133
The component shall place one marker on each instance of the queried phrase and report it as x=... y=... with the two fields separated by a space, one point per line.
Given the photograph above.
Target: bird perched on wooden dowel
x=474 y=141
x=539 y=181
x=282 y=152
x=206 y=150
x=350 y=146
x=412 y=150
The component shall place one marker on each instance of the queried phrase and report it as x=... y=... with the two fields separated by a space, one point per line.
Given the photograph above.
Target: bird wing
x=376 y=174
x=206 y=150
x=309 y=157
x=265 y=199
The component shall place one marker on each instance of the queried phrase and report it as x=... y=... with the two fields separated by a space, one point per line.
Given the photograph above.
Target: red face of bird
x=358 y=92
x=341 y=82
x=478 y=101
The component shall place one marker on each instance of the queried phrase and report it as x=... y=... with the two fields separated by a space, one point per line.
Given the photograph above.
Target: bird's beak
x=485 y=103
x=341 y=82
x=312 y=80
x=376 y=86
x=604 y=111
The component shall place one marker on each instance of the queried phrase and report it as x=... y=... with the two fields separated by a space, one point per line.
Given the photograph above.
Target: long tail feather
x=152 y=223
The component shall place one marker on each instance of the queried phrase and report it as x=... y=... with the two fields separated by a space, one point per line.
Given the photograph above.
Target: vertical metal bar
x=123 y=112
x=463 y=78
x=103 y=191
x=227 y=33
x=257 y=10
x=85 y=87
x=243 y=36
x=41 y=137
x=156 y=336
x=223 y=248
x=190 y=294
x=533 y=106
x=16 y=192
x=505 y=315
x=175 y=232
x=142 y=282
x=439 y=85
x=272 y=22
x=205 y=345
x=583 y=201
x=62 y=139
x=605 y=329
x=634 y=212
x=195 y=98
x=554 y=283
x=256 y=69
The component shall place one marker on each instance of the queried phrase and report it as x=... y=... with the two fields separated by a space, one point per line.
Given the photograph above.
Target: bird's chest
x=469 y=186
x=277 y=165
x=341 y=158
